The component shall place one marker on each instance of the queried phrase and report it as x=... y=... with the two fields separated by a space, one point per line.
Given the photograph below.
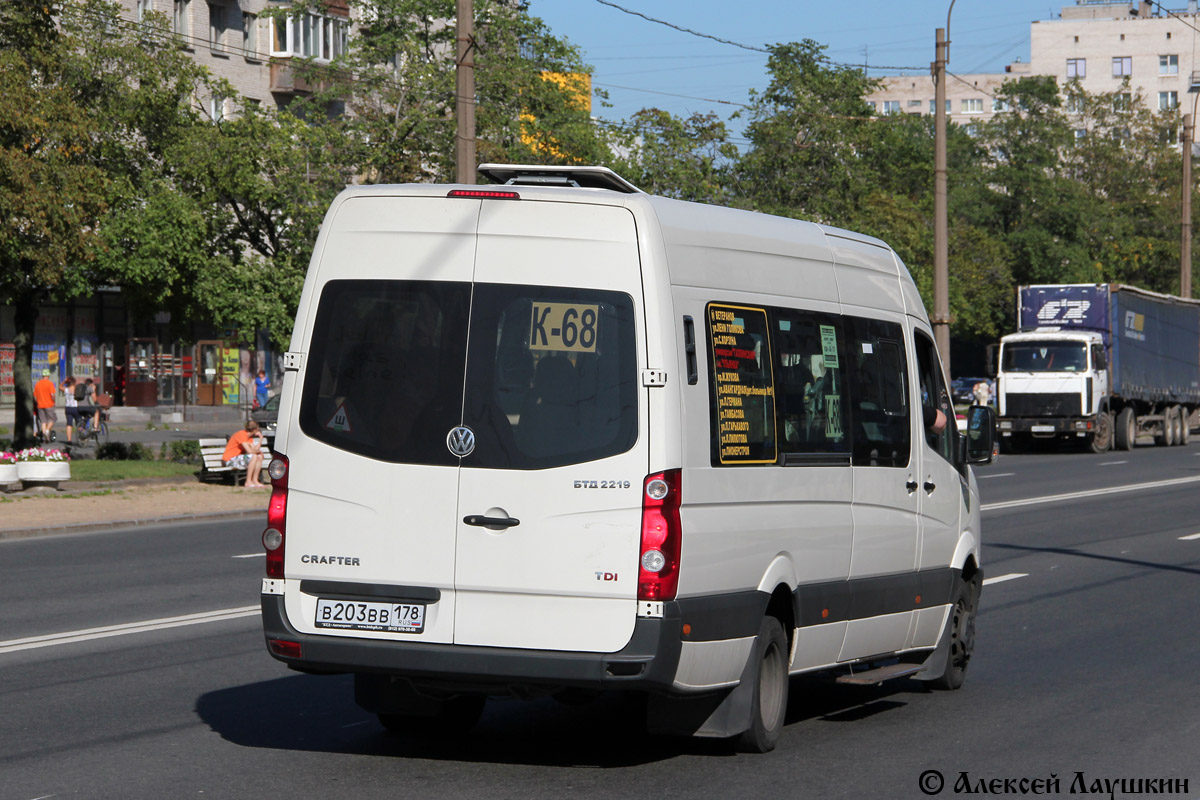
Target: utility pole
x=464 y=148
x=1185 y=250
x=941 y=243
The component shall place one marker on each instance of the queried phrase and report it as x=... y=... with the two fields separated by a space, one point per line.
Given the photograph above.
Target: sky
x=647 y=64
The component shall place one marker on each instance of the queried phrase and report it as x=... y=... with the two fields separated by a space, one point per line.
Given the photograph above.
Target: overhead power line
x=681 y=28
x=730 y=42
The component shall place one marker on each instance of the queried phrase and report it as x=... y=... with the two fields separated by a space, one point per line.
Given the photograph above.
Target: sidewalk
x=79 y=507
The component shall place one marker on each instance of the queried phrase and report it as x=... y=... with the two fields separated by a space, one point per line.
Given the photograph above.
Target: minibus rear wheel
x=770 y=683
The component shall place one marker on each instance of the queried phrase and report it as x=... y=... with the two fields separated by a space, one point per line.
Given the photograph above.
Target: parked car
x=268 y=415
x=962 y=389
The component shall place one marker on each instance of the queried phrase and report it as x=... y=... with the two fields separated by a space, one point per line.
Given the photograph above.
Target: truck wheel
x=1102 y=439
x=961 y=630
x=769 y=706
x=1185 y=426
x=1177 y=424
x=1166 y=430
x=1126 y=430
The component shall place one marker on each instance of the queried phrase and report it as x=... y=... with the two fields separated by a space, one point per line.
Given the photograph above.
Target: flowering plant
x=7 y=458
x=38 y=454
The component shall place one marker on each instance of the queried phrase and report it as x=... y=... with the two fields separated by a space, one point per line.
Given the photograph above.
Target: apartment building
x=1097 y=42
x=1102 y=44
x=237 y=42
x=970 y=99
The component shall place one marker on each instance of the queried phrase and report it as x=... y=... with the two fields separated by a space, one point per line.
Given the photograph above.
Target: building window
x=179 y=21
x=1168 y=100
x=1080 y=133
x=1168 y=65
x=891 y=106
x=217 y=108
x=972 y=130
x=933 y=106
x=1122 y=66
x=914 y=103
x=1074 y=104
x=144 y=7
x=999 y=105
x=250 y=34
x=216 y=27
x=871 y=106
x=309 y=36
x=1121 y=102
x=972 y=105
x=1076 y=68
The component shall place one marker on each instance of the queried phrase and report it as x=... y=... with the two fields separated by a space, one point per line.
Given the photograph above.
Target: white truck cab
x=561 y=435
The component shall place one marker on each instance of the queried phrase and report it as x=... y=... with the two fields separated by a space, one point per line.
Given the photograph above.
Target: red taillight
x=658 y=567
x=483 y=194
x=274 y=535
x=285 y=649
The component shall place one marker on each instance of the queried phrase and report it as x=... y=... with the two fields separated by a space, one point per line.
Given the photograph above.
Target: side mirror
x=980 y=434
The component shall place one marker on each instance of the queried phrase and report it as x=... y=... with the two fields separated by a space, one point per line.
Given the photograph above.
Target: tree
x=257 y=187
x=51 y=190
x=396 y=81
x=806 y=132
x=688 y=159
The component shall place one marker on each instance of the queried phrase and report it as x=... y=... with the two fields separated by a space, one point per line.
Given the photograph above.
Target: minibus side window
x=878 y=387
x=811 y=383
x=742 y=386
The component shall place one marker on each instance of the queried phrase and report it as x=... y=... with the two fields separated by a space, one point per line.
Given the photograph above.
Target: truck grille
x=1042 y=405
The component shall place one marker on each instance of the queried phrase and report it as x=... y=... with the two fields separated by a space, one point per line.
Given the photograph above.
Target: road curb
x=91 y=527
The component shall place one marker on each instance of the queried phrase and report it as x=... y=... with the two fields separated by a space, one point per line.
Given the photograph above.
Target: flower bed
x=37 y=466
x=8 y=468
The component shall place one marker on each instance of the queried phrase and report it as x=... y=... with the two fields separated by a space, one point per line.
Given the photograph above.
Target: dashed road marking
x=1191 y=538
x=251 y=555
x=1112 y=463
x=1056 y=498
x=71 y=637
x=997 y=475
x=1012 y=576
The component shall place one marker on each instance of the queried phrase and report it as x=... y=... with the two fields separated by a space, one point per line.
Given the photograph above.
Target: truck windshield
x=1046 y=356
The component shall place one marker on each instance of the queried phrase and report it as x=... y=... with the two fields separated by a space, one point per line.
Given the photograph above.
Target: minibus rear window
x=550 y=378
x=385 y=368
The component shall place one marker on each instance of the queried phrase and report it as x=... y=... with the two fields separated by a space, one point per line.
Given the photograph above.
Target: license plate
x=1041 y=428
x=359 y=616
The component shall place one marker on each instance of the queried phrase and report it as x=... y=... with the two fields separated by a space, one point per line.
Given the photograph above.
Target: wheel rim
x=962 y=635
x=770 y=687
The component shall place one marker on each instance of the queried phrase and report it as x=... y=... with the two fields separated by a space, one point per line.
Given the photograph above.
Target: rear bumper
x=1045 y=426
x=649 y=661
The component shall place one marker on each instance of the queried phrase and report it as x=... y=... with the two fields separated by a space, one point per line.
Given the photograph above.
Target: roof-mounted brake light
x=484 y=194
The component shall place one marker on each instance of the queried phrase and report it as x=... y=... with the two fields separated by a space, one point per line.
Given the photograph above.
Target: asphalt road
x=1085 y=663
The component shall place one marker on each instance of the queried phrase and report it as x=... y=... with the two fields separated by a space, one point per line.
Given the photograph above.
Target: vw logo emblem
x=461 y=441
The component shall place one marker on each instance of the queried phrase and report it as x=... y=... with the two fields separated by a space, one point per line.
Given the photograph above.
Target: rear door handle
x=911 y=486
x=481 y=521
x=930 y=486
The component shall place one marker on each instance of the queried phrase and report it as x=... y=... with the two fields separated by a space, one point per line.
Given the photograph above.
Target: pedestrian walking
x=44 y=396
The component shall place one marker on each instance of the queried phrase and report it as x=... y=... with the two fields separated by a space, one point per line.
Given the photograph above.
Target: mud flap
x=716 y=715
x=936 y=662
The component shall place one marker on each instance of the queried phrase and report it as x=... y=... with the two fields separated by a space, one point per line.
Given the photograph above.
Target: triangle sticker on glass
x=339 y=422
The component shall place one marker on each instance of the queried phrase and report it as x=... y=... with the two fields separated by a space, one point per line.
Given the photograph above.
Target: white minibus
x=555 y=436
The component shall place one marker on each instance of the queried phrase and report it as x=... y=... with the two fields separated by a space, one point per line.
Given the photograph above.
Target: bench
x=211 y=451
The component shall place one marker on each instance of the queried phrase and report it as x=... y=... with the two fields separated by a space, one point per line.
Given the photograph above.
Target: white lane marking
x=1054 y=498
x=997 y=475
x=70 y=637
x=1191 y=538
x=1112 y=463
x=251 y=555
x=1012 y=576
